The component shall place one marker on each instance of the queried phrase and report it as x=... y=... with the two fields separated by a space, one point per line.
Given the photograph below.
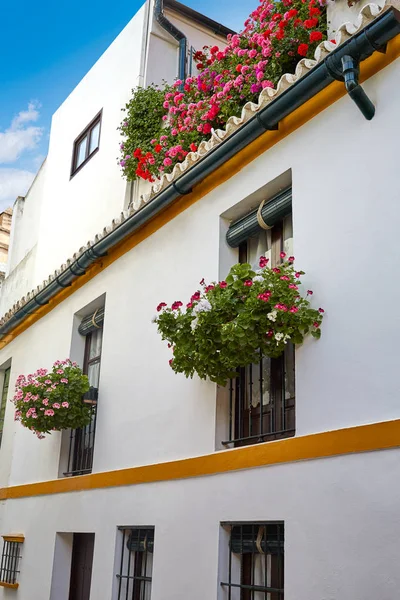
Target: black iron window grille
x=81 y=444
x=3 y=405
x=262 y=396
x=10 y=559
x=136 y=563
x=256 y=561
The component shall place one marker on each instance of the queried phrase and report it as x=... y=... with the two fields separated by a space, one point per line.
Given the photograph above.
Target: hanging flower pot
x=230 y=323
x=52 y=401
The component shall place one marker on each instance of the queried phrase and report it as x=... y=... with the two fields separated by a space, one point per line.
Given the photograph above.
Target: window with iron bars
x=136 y=563
x=81 y=445
x=10 y=559
x=255 y=566
x=262 y=396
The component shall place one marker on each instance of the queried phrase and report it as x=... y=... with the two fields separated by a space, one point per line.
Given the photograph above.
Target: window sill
x=12 y=586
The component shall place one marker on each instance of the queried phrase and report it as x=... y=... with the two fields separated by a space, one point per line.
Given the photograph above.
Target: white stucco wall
x=341 y=518
x=341 y=514
x=20 y=274
x=349 y=377
x=75 y=209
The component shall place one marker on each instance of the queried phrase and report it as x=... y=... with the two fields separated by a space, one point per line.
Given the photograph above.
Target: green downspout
x=176 y=33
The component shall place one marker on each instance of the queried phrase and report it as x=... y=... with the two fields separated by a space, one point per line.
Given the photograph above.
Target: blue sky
x=45 y=50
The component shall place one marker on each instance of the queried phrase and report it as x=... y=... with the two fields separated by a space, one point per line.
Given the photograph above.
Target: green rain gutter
x=363 y=44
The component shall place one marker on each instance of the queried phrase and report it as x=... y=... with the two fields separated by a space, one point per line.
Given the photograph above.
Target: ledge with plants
x=234 y=322
x=163 y=124
x=52 y=401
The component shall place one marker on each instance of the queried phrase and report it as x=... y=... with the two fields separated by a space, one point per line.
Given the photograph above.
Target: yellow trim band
x=11 y=586
x=296 y=119
x=364 y=438
x=14 y=538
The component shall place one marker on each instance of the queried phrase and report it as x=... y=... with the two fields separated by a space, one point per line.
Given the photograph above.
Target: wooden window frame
x=3 y=402
x=86 y=133
x=80 y=457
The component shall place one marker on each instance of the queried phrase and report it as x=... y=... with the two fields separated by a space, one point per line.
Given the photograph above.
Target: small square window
x=136 y=563
x=256 y=560
x=10 y=559
x=86 y=144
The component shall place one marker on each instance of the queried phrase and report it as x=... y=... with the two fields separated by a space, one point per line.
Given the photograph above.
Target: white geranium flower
x=193 y=324
x=272 y=315
x=286 y=338
x=202 y=306
x=258 y=278
x=278 y=336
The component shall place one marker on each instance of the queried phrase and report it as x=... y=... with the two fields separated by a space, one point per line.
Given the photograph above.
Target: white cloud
x=21 y=135
x=13 y=183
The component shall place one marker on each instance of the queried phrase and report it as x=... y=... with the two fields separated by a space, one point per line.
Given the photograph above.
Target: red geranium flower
x=302 y=49
x=310 y=23
x=315 y=36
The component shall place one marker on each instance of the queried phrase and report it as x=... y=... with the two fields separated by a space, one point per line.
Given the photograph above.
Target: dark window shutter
x=249 y=539
x=272 y=212
x=141 y=540
x=92 y=322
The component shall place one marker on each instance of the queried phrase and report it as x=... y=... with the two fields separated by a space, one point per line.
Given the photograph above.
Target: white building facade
x=168 y=490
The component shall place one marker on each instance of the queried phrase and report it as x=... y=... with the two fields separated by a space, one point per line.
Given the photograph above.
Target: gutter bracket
x=180 y=191
x=266 y=127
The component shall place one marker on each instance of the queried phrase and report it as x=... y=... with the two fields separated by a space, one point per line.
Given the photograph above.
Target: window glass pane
x=259 y=246
x=81 y=152
x=94 y=373
x=95 y=343
x=258 y=386
x=94 y=138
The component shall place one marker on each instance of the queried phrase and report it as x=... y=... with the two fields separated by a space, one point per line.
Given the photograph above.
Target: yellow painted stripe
x=11 y=586
x=364 y=438
x=296 y=119
x=14 y=538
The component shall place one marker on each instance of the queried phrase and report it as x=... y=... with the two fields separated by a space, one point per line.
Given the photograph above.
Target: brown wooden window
x=136 y=563
x=3 y=404
x=256 y=561
x=81 y=448
x=262 y=397
x=86 y=144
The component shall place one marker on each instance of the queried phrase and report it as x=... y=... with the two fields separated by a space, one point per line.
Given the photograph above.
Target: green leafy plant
x=52 y=401
x=230 y=323
x=142 y=123
x=275 y=37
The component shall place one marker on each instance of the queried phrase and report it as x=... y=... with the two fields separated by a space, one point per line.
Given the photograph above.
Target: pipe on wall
x=176 y=33
x=362 y=45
